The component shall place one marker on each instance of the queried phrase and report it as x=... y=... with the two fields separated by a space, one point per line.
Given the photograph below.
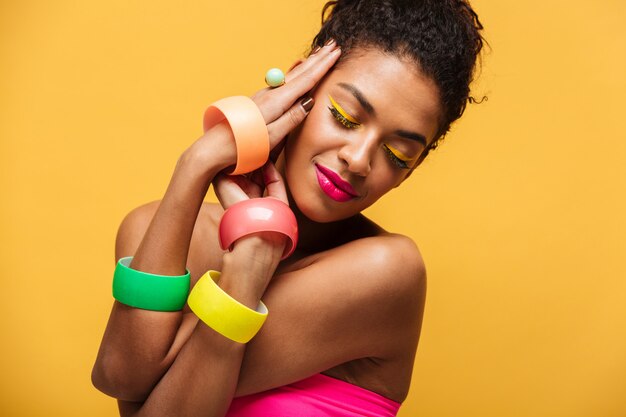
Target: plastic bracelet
x=222 y=313
x=258 y=215
x=249 y=129
x=149 y=291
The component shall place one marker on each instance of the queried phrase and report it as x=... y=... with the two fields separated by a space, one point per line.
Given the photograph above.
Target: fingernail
x=329 y=42
x=307 y=104
x=317 y=48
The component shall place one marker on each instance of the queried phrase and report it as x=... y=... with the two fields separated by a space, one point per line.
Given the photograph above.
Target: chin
x=322 y=215
x=315 y=208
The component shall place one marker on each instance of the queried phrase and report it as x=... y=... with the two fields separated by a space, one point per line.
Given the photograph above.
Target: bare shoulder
x=143 y=214
x=204 y=250
x=396 y=253
x=391 y=255
x=396 y=274
x=362 y=300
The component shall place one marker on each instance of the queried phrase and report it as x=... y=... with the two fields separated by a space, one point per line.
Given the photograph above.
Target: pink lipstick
x=333 y=186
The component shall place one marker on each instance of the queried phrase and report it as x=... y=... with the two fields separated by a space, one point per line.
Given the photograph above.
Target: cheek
x=313 y=135
x=317 y=121
x=386 y=179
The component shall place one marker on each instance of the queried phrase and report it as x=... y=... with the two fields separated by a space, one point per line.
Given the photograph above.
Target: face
x=373 y=116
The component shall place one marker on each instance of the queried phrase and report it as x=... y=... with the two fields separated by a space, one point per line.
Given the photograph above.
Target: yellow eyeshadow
x=399 y=154
x=342 y=111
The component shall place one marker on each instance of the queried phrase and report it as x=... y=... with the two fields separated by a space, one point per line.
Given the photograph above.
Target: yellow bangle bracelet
x=222 y=313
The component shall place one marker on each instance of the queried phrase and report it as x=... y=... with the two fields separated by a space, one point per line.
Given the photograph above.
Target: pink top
x=317 y=396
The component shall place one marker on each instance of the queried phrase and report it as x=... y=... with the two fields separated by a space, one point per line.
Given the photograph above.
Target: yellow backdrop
x=519 y=215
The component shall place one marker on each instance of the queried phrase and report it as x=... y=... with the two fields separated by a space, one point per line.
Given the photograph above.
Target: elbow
x=117 y=384
x=100 y=381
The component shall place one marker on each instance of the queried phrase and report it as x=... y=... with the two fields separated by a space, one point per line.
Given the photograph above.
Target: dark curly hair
x=441 y=36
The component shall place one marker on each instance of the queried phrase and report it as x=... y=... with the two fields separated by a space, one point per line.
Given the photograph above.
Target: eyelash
x=347 y=123
x=397 y=161
x=351 y=125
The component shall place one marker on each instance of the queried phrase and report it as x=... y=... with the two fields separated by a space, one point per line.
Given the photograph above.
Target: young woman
x=380 y=88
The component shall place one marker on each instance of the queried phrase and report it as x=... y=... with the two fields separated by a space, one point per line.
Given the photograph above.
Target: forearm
x=136 y=347
x=203 y=378
x=165 y=246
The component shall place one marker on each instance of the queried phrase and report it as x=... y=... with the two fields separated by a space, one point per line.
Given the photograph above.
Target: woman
x=382 y=85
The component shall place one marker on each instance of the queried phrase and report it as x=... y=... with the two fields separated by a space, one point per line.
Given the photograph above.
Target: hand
x=264 y=248
x=281 y=109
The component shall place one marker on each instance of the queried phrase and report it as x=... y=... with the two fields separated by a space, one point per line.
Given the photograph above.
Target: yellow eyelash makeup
x=399 y=154
x=342 y=111
x=399 y=159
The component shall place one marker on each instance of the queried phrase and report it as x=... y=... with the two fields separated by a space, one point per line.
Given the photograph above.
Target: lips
x=333 y=185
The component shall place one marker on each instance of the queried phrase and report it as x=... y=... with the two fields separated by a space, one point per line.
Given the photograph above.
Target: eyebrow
x=370 y=110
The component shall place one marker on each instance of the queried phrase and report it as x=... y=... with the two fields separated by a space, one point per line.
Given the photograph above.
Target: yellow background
x=519 y=215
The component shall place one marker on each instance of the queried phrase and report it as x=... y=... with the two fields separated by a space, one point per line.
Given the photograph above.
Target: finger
x=276 y=151
x=306 y=78
x=234 y=188
x=227 y=190
x=256 y=177
x=276 y=102
x=265 y=90
x=297 y=68
x=295 y=64
x=305 y=64
x=250 y=187
x=289 y=120
x=274 y=184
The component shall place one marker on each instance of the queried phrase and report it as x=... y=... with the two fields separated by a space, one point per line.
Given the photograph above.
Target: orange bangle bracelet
x=249 y=129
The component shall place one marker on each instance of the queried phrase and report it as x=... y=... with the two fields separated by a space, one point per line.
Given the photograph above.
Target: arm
x=139 y=347
x=328 y=311
x=203 y=376
x=135 y=350
x=364 y=299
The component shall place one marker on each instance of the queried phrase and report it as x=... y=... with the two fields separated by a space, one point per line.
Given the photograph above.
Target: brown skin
x=362 y=318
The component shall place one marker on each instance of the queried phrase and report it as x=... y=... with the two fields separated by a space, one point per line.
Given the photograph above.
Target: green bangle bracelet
x=149 y=291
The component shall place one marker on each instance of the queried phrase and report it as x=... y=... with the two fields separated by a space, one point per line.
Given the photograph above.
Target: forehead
x=398 y=91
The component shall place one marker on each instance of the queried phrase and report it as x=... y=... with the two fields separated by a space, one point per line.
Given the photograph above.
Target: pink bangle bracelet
x=258 y=215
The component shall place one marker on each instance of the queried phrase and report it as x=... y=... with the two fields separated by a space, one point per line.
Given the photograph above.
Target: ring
x=274 y=77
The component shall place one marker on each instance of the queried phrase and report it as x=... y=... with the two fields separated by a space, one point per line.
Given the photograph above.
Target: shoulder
x=392 y=256
x=398 y=253
x=386 y=249
x=204 y=250
x=141 y=215
x=387 y=274
x=363 y=299
x=393 y=268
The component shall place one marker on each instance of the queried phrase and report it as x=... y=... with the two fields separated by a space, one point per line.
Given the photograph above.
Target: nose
x=357 y=154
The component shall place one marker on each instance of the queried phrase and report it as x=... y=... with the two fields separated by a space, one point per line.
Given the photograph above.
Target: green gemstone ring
x=274 y=77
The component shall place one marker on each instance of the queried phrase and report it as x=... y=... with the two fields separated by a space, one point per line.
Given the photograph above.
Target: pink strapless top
x=317 y=396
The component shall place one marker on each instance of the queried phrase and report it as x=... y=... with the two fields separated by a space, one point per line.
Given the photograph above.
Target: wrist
x=211 y=153
x=260 y=251
x=265 y=224
x=244 y=279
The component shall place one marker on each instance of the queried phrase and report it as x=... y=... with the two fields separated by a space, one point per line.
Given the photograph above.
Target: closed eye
x=400 y=161
x=342 y=119
x=397 y=161
x=341 y=115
